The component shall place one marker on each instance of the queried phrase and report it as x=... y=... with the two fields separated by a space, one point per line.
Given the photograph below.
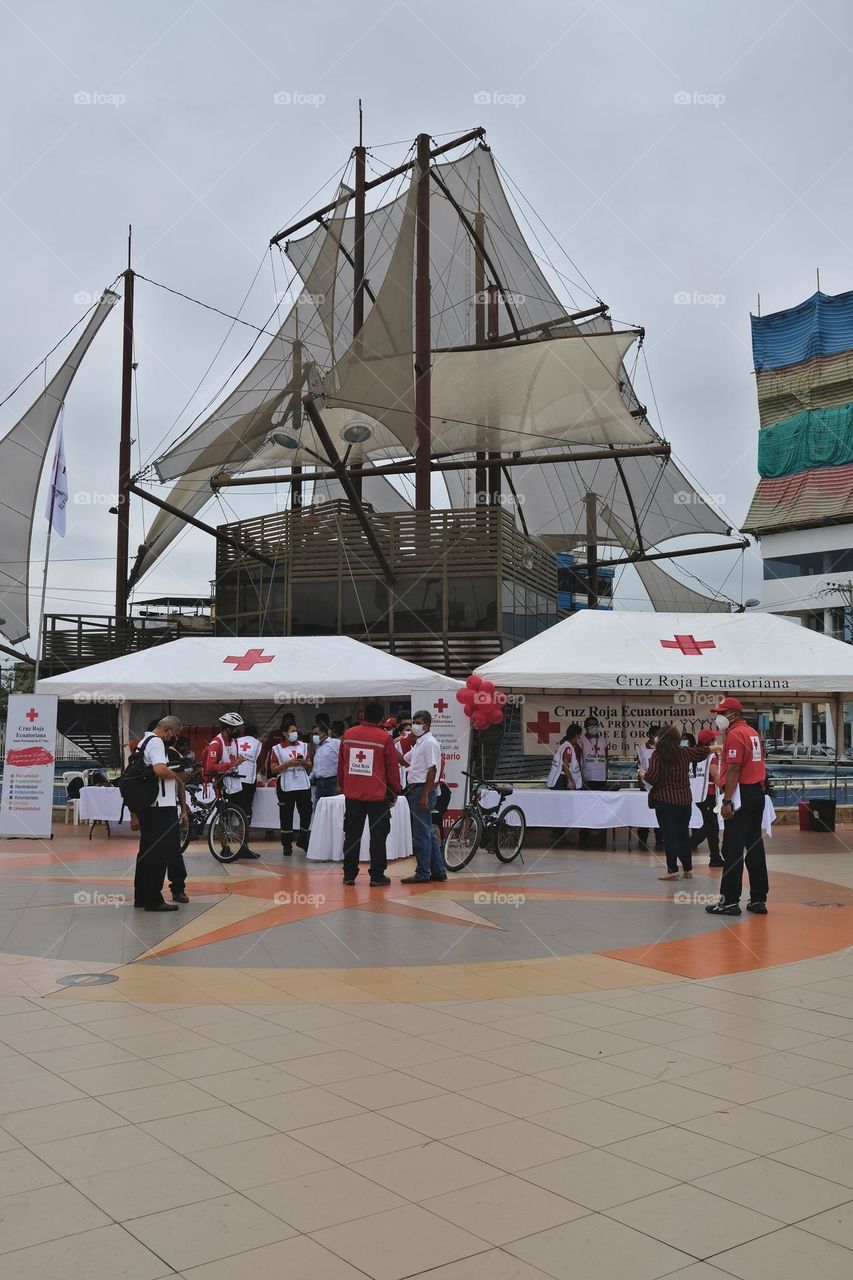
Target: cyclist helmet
x=232 y=719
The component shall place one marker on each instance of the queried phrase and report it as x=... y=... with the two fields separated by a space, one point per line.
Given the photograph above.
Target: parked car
x=818 y=752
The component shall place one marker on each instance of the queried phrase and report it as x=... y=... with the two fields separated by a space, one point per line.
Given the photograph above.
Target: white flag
x=57 y=493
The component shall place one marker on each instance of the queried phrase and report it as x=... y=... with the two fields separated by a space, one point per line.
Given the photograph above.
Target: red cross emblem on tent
x=249 y=659
x=543 y=726
x=440 y=706
x=688 y=645
x=32 y=714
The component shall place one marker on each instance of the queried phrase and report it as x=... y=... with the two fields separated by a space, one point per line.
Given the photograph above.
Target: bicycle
x=499 y=830
x=224 y=822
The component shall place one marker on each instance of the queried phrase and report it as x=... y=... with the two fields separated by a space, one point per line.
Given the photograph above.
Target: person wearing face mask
x=669 y=777
x=644 y=753
x=710 y=829
x=289 y=764
x=742 y=769
x=592 y=745
x=324 y=765
x=249 y=746
x=159 y=830
x=423 y=762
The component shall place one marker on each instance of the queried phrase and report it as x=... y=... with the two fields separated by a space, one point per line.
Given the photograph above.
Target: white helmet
x=232 y=719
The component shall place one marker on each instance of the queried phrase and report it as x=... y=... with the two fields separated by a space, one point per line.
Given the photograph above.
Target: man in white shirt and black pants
x=159 y=829
x=249 y=746
x=424 y=766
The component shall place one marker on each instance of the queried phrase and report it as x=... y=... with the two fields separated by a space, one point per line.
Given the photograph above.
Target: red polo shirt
x=742 y=746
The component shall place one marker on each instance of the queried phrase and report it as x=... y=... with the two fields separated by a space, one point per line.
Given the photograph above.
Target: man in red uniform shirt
x=742 y=768
x=369 y=777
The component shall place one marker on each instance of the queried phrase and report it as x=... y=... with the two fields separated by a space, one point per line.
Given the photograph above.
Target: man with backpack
x=152 y=779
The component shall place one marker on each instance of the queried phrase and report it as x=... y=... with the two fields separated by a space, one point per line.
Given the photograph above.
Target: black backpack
x=138 y=784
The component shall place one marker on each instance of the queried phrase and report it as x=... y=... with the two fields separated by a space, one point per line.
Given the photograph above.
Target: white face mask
x=293 y=736
x=592 y=730
x=418 y=729
x=721 y=722
x=315 y=738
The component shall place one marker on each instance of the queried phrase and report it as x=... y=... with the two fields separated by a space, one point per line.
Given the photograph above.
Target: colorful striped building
x=802 y=509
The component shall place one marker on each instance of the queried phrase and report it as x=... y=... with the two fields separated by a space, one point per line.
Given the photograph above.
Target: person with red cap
x=710 y=829
x=742 y=778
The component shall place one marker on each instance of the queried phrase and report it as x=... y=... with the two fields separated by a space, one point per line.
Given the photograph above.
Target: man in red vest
x=369 y=777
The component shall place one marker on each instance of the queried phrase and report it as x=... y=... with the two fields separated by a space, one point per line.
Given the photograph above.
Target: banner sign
x=544 y=718
x=452 y=728
x=27 y=803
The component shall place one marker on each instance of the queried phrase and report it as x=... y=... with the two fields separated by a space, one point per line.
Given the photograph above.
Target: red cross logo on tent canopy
x=249 y=659
x=688 y=645
x=32 y=714
x=543 y=726
x=440 y=706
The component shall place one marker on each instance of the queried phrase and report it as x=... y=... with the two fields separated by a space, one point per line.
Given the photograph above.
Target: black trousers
x=743 y=843
x=288 y=801
x=378 y=815
x=587 y=837
x=674 y=826
x=159 y=847
x=710 y=829
x=243 y=800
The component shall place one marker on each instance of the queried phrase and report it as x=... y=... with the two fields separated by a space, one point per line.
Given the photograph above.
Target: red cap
x=729 y=704
x=707 y=736
x=390 y=723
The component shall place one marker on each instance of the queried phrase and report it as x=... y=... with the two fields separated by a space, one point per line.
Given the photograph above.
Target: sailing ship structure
x=427 y=394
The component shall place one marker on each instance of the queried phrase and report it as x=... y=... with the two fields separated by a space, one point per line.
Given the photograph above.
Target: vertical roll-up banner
x=452 y=728
x=26 y=808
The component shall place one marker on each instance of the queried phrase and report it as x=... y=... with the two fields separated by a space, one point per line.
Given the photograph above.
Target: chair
x=72 y=804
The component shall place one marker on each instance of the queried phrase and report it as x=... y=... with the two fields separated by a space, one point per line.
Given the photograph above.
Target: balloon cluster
x=483 y=704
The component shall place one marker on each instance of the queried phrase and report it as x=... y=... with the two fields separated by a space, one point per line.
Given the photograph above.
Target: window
x=472 y=604
x=364 y=607
x=418 y=605
x=314 y=609
x=808 y=564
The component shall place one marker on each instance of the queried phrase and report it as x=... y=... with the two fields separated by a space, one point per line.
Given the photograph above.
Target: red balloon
x=460 y=695
x=486 y=686
x=478 y=720
x=474 y=682
x=467 y=697
x=495 y=715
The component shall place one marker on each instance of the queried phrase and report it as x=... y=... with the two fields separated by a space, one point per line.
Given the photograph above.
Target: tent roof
x=758 y=655
x=201 y=668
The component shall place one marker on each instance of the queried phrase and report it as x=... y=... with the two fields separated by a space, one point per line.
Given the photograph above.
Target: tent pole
x=591 y=551
x=360 y=154
x=124 y=457
x=423 y=330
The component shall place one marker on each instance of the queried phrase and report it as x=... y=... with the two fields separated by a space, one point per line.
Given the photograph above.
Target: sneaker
x=377 y=881
x=286 y=853
x=415 y=880
x=180 y=897
x=687 y=875
x=724 y=909
x=348 y=883
x=164 y=906
x=757 y=908
x=670 y=875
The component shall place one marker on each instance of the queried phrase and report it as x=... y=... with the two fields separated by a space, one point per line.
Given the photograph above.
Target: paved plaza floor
x=558 y=1069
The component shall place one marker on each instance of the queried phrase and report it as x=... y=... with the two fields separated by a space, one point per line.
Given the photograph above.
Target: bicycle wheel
x=187 y=833
x=226 y=834
x=463 y=840
x=510 y=827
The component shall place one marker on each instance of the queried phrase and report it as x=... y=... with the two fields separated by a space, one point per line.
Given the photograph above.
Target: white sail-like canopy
x=22 y=457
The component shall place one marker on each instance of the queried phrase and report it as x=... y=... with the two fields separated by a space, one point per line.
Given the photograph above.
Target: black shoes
x=287 y=853
x=164 y=906
x=757 y=908
x=439 y=879
x=348 y=883
x=724 y=909
x=180 y=897
x=716 y=862
x=415 y=880
x=377 y=882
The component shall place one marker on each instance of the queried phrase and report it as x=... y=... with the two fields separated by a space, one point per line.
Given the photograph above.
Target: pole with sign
x=26 y=807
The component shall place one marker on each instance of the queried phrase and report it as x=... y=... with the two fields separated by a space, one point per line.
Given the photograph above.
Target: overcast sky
x=675 y=148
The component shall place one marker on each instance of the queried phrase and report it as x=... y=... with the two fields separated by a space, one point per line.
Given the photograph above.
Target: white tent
x=758 y=656
x=257 y=668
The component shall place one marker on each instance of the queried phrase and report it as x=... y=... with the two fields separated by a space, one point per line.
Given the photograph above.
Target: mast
x=591 y=552
x=123 y=491
x=423 y=328
x=480 y=472
x=360 y=154
x=296 y=420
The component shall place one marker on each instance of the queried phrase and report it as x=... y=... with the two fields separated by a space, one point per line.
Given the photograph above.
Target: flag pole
x=53 y=479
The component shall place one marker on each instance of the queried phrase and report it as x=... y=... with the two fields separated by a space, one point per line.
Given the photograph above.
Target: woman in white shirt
x=289 y=764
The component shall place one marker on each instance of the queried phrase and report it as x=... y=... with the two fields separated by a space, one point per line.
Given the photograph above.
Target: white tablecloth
x=597 y=809
x=327 y=832
x=101 y=804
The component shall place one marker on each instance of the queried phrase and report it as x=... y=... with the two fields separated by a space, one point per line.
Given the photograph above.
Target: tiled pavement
x=612 y=1117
